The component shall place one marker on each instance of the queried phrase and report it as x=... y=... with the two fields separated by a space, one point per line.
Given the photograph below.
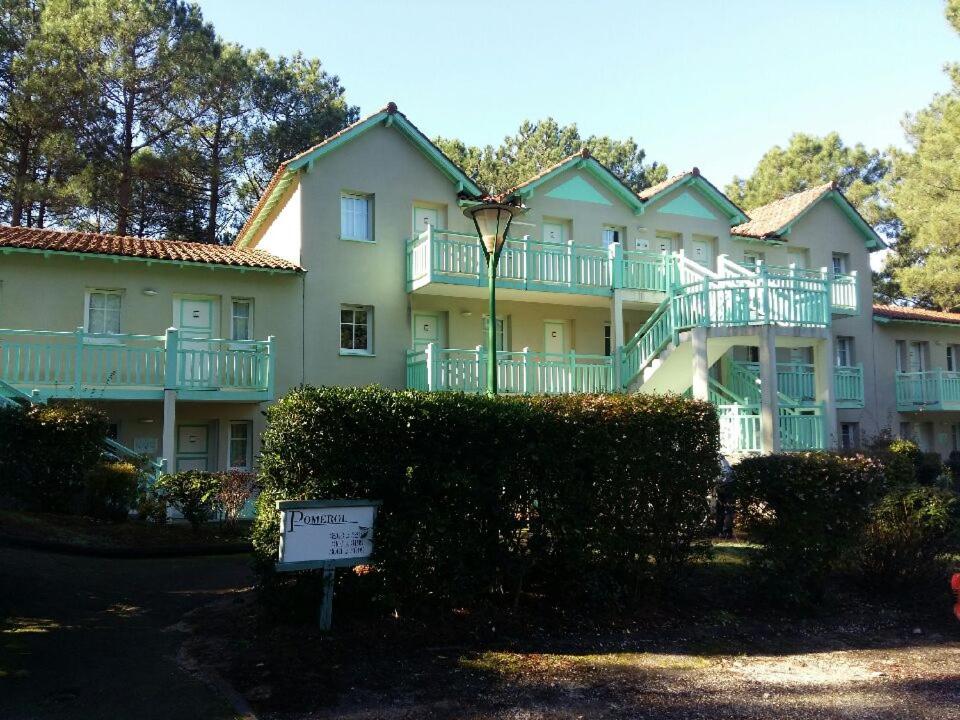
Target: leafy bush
x=953 y=465
x=111 y=490
x=900 y=460
x=192 y=492
x=151 y=506
x=46 y=452
x=807 y=510
x=929 y=466
x=235 y=488
x=910 y=531
x=483 y=498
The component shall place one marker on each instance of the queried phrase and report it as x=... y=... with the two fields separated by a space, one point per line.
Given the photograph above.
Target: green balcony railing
x=931 y=390
x=124 y=366
x=848 y=386
x=800 y=429
x=435 y=368
x=843 y=286
x=452 y=257
x=739 y=429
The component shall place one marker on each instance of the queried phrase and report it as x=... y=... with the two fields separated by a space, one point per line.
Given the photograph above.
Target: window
x=240 y=457
x=753 y=354
x=844 y=348
x=606 y=340
x=103 y=311
x=955 y=435
x=611 y=235
x=666 y=242
x=906 y=431
x=752 y=259
x=849 y=435
x=839 y=263
x=355 y=217
x=242 y=319
x=953 y=356
x=356 y=330
x=501 y=332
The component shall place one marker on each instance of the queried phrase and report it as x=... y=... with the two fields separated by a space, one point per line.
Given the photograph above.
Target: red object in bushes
x=955 y=586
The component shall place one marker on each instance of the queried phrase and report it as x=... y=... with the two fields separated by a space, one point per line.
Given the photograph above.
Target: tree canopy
x=132 y=116
x=538 y=145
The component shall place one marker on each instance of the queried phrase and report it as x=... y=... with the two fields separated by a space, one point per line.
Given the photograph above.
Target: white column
x=769 y=404
x=824 y=379
x=701 y=383
x=169 y=447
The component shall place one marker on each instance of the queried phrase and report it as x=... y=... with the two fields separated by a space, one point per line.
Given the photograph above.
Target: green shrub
x=900 y=460
x=192 y=492
x=911 y=530
x=929 y=467
x=111 y=490
x=46 y=452
x=235 y=487
x=807 y=510
x=483 y=498
x=151 y=506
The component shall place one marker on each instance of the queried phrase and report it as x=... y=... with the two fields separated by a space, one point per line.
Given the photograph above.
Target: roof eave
x=873 y=240
x=597 y=170
x=734 y=214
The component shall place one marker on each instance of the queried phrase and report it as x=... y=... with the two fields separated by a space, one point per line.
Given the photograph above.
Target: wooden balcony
x=435 y=368
x=85 y=365
x=931 y=390
x=453 y=258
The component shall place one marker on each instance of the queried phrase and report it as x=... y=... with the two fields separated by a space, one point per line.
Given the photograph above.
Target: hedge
x=807 y=511
x=46 y=452
x=483 y=498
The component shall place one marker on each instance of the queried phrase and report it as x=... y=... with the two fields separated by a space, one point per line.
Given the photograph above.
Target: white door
x=665 y=244
x=192 y=447
x=554 y=338
x=915 y=357
x=553 y=233
x=196 y=318
x=426 y=330
x=703 y=253
x=423 y=216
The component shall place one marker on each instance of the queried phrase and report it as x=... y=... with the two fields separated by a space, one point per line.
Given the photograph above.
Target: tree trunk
x=214 y=205
x=17 y=200
x=125 y=187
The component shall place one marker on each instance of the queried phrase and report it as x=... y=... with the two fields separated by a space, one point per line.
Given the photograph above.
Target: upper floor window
x=753 y=258
x=103 y=311
x=840 y=263
x=953 y=358
x=241 y=322
x=844 y=348
x=356 y=330
x=356 y=217
x=611 y=235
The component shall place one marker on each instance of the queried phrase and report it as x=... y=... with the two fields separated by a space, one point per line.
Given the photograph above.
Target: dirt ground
x=689 y=660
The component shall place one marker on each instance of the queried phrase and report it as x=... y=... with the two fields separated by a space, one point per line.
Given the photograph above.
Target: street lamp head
x=492 y=220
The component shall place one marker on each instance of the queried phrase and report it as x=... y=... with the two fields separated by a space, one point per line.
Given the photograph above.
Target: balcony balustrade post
x=431 y=260
x=482 y=366
x=526 y=370
x=271 y=383
x=573 y=371
x=78 y=361
x=430 y=356
x=765 y=292
x=706 y=314
x=616 y=265
x=527 y=266
x=171 y=359
x=939 y=386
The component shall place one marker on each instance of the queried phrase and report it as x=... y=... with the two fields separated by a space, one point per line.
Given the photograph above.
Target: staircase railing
x=647 y=343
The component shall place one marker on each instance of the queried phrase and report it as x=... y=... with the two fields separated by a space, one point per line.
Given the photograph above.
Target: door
x=553 y=233
x=554 y=338
x=423 y=216
x=556 y=374
x=703 y=253
x=196 y=318
x=426 y=330
x=192 y=447
x=915 y=364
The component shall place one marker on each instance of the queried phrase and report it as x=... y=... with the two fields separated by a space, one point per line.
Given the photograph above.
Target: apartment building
x=358 y=266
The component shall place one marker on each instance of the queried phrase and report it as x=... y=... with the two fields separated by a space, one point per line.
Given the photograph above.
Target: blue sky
x=712 y=84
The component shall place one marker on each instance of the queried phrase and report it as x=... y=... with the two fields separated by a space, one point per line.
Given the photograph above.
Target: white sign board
x=325 y=533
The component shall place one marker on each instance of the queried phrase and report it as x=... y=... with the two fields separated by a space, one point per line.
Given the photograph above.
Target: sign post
x=325 y=535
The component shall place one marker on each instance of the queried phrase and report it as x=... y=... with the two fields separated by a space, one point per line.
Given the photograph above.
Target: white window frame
x=953 y=358
x=853 y=435
x=233 y=317
x=248 y=454
x=368 y=200
x=104 y=337
x=844 y=262
x=368 y=351
x=844 y=345
x=502 y=339
x=616 y=235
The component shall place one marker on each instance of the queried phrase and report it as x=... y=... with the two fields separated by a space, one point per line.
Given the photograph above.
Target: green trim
x=735 y=215
x=597 y=170
x=687 y=205
x=388 y=119
x=873 y=241
x=117 y=258
x=578 y=189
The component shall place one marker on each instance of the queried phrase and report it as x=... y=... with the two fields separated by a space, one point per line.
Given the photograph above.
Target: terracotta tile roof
x=770 y=219
x=126 y=246
x=649 y=192
x=895 y=312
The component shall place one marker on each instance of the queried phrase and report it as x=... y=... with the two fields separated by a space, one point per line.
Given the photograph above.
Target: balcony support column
x=825 y=379
x=701 y=368
x=617 y=338
x=169 y=442
x=769 y=404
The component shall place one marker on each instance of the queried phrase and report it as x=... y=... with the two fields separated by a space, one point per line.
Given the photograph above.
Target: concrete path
x=92 y=638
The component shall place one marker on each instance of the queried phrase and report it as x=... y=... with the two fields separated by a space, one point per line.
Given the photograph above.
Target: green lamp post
x=492 y=220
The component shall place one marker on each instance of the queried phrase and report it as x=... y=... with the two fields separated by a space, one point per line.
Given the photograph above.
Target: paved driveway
x=90 y=638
